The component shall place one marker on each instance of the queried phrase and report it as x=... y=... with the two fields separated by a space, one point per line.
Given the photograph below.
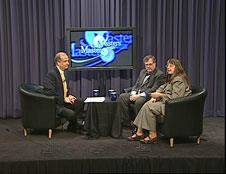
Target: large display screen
x=101 y=48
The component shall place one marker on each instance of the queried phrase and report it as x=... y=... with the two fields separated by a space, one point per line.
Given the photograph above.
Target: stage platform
x=69 y=152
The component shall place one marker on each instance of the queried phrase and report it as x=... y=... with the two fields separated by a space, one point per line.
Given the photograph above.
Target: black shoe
x=71 y=128
x=75 y=129
x=80 y=125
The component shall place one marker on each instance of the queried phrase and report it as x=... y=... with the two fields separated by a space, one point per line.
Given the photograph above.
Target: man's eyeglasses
x=148 y=64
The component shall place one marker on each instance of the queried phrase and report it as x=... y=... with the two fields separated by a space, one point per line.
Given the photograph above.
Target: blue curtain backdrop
x=32 y=31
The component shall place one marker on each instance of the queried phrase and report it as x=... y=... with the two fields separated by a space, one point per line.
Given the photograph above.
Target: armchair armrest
x=192 y=103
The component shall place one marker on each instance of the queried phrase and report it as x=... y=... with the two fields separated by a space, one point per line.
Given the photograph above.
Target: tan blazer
x=177 y=88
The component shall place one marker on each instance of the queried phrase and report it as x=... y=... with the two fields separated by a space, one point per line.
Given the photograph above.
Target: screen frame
x=81 y=29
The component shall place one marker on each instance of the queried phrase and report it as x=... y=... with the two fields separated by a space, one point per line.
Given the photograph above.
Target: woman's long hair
x=179 y=71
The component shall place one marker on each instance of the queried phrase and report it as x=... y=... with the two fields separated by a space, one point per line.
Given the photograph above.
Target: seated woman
x=177 y=85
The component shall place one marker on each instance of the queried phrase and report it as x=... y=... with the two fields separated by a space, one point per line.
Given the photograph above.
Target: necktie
x=64 y=84
x=146 y=76
x=147 y=73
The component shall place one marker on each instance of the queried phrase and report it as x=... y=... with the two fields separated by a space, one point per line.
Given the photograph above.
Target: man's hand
x=134 y=97
x=70 y=99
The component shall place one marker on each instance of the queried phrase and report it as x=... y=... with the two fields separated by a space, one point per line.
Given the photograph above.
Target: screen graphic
x=105 y=48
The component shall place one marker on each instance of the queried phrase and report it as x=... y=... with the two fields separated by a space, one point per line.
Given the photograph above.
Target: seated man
x=56 y=84
x=148 y=81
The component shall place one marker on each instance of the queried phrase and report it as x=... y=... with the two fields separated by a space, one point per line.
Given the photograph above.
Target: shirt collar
x=60 y=70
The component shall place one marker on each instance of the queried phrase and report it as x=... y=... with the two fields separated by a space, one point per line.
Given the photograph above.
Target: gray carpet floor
x=66 y=145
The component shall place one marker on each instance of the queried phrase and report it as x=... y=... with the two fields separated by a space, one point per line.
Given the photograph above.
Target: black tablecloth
x=100 y=117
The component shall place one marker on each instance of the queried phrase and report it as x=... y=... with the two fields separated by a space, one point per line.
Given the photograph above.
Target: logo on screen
x=99 y=47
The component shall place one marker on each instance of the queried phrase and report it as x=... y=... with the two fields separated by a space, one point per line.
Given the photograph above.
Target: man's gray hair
x=148 y=57
x=58 y=57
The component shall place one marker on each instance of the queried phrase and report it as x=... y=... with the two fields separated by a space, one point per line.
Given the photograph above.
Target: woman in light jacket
x=177 y=85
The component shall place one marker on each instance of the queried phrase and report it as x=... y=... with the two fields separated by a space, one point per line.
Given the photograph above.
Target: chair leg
x=50 y=133
x=25 y=132
x=171 y=142
x=198 y=140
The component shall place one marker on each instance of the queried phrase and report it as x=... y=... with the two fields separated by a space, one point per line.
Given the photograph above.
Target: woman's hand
x=152 y=100
x=156 y=95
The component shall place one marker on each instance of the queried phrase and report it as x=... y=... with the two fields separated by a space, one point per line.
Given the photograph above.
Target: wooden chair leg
x=171 y=142
x=25 y=132
x=50 y=133
x=198 y=140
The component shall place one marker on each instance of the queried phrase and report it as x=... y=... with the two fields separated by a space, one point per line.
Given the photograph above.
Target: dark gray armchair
x=38 y=110
x=183 y=116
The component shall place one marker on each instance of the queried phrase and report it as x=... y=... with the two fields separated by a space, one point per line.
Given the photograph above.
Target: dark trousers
x=73 y=111
x=128 y=109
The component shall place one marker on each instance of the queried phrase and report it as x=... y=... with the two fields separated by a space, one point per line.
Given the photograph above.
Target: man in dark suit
x=148 y=81
x=56 y=84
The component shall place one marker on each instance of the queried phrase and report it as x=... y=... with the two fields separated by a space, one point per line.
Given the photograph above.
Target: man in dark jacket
x=148 y=81
x=56 y=84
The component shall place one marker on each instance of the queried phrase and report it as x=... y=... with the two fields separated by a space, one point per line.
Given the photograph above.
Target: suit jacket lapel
x=142 y=79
